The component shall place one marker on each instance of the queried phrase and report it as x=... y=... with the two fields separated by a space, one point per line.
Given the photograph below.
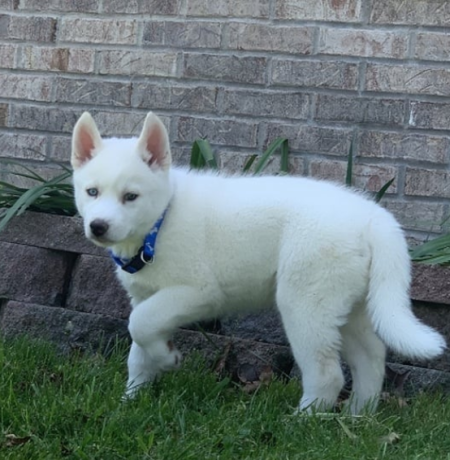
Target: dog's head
x=121 y=185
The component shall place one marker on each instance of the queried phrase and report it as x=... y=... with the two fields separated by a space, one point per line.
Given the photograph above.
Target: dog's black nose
x=99 y=227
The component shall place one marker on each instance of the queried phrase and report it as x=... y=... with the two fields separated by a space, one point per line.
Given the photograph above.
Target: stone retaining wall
x=54 y=284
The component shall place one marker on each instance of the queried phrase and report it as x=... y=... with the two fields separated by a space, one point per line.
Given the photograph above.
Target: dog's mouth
x=102 y=241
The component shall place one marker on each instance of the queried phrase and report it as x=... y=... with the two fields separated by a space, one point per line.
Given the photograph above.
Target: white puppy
x=191 y=246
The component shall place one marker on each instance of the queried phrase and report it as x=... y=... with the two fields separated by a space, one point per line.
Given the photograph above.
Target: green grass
x=69 y=407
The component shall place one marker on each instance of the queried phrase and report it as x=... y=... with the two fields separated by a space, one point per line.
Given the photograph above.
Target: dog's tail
x=388 y=299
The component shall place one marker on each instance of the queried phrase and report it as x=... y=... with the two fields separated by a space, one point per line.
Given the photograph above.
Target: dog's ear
x=86 y=140
x=153 y=143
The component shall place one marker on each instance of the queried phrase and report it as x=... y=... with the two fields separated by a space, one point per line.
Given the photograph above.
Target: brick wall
x=320 y=72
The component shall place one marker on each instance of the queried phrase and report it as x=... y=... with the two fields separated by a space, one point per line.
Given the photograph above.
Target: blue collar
x=146 y=252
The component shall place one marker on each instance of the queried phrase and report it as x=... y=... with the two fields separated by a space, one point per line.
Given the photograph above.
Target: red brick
x=82 y=6
x=412 y=12
x=229 y=8
x=258 y=103
x=44 y=170
x=79 y=60
x=42 y=118
x=3 y=114
x=404 y=146
x=433 y=46
x=427 y=182
x=366 y=177
x=7 y=53
x=364 y=43
x=262 y=37
x=183 y=34
x=234 y=162
x=60 y=148
x=123 y=62
x=360 y=110
x=319 y=10
x=192 y=98
x=429 y=115
x=222 y=132
x=86 y=91
x=417 y=215
x=110 y=31
x=23 y=146
x=121 y=123
x=408 y=79
x=315 y=74
x=311 y=139
x=8 y=5
x=242 y=69
x=23 y=86
x=152 y=7
x=32 y=28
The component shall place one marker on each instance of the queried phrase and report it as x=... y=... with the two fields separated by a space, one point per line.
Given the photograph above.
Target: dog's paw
x=171 y=360
x=132 y=390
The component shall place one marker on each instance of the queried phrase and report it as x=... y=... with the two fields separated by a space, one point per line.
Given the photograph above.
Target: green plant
x=202 y=156
x=349 y=176
x=433 y=252
x=53 y=196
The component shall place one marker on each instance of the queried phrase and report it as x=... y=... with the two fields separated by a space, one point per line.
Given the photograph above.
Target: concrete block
x=32 y=274
x=94 y=288
x=69 y=330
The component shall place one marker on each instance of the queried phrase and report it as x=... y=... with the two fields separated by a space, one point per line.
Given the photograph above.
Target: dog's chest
x=138 y=286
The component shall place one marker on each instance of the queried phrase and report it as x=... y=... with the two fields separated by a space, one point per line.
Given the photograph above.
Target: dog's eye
x=130 y=196
x=92 y=192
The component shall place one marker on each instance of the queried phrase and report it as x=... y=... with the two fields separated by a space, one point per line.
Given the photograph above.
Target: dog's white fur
x=335 y=263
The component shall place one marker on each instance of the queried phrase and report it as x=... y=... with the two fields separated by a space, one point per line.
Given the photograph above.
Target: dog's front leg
x=152 y=324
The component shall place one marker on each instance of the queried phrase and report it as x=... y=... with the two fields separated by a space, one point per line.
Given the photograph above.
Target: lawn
x=54 y=407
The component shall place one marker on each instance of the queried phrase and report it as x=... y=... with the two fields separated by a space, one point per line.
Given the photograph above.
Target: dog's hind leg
x=313 y=332
x=365 y=353
x=152 y=324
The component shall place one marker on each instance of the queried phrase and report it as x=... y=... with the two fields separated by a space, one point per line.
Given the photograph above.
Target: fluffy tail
x=388 y=303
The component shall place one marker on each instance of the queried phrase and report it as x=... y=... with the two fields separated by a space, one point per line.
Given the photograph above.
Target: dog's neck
x=128 y=248
x=146 y=252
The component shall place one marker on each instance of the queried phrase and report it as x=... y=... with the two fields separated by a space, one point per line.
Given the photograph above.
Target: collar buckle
x=146 y=259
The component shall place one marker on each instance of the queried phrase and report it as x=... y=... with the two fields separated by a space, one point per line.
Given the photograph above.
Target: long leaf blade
x=349 y=172
x=431 y=249
x=383 y=190
x=207 y=153
x=196 y=160
x=30 y=198
x=273 y=147
x=284 y=158
x=248 y=164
